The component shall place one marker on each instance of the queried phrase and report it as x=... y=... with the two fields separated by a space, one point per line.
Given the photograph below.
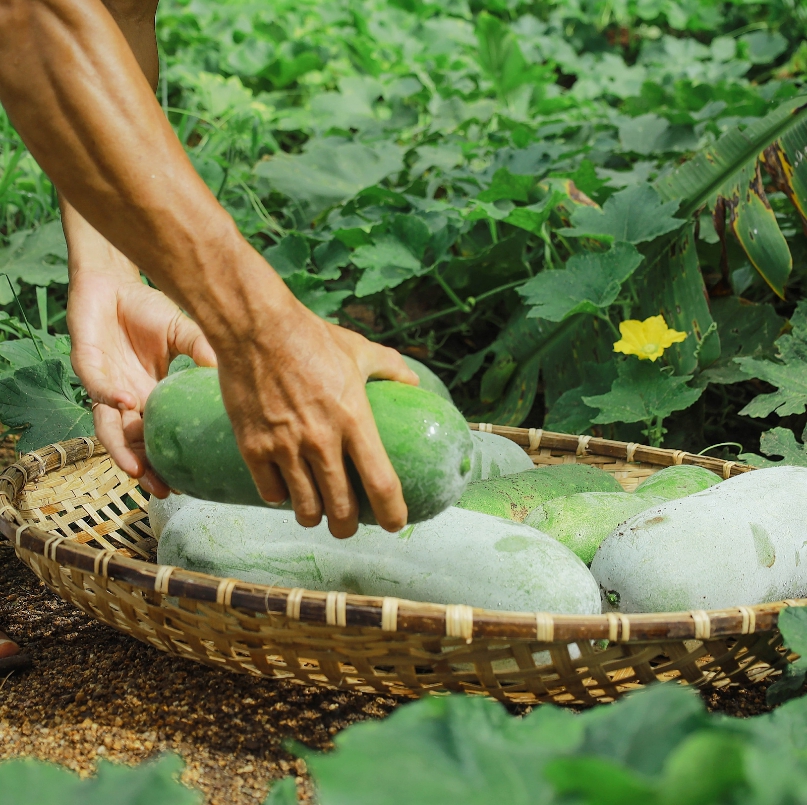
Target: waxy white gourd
x=741 y=542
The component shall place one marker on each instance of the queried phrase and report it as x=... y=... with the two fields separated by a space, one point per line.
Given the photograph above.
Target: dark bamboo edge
x=389 y=614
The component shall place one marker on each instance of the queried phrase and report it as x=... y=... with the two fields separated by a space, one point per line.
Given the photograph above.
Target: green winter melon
x=429 y=381
x=495 y=456
x=515 y=496
x=458 y=557
x=582 y=521
x=676 y=482
x=190 y=443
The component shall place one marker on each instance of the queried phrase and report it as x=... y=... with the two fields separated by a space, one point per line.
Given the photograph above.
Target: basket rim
x=347 y=611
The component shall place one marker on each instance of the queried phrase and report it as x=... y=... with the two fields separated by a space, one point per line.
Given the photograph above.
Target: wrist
x=237 y=298
x=89 y=252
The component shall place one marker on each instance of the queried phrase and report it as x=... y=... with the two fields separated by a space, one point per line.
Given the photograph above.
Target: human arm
x=292 y=384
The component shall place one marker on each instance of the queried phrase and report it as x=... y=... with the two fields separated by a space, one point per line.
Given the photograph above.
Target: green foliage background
x=491 y=187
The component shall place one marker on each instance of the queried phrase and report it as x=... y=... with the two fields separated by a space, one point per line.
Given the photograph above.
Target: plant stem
x=449 y=292
x=440 y=313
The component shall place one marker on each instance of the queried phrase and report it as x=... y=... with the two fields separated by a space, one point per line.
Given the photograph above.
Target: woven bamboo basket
x=82 y=525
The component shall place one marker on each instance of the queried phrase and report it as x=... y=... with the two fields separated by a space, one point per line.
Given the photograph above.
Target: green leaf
x=778 y=442
x=501 y=58
x=290 y=255
x=642 y=392
x=675 y=288
x=311 y=291
x=24 y=782
x=704 y=769
x=700 y=179
x=640 y=134
x=640 y=731
x=450 y=749
x=785 y=162
x=570 y=414
x=329 y=172
x=634 y=215
x=489 y=267
x=793 y=626
x=590 y=282
x=789 y=374
x=387 y=262
x=506 y=185
x=754 y=224
x=38 y=399
x=37 y=257
x=598 y=782
x=21 y=352
x=745 y=330
x=283 y=792
x=762 y=47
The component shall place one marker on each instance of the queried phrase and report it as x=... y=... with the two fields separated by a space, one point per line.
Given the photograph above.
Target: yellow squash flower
x=646 y=339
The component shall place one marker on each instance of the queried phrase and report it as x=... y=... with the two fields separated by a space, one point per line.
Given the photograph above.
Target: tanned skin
x=77 y=79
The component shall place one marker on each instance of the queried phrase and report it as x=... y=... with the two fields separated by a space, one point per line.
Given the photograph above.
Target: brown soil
x=93 y=692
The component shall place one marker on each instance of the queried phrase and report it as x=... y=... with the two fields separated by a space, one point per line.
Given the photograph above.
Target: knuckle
x=342 y=511
x=385 y=486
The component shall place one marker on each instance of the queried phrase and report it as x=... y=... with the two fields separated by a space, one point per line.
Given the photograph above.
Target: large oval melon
x=191 y=444
x=429 y=381
x=515 y=496
x=743 y=541
x=495 y=456
x=459 y=557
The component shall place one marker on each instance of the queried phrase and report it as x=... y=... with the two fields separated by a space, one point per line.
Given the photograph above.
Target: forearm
x=89 y=250
x=99 y=133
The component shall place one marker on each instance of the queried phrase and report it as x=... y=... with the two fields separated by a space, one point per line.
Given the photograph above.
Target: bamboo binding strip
x=81 y=524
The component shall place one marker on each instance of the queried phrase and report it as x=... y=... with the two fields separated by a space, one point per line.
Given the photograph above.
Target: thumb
x=384 y=363
x=188 y=339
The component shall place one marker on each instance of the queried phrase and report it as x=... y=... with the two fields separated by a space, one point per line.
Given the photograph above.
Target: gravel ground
x=93 y=692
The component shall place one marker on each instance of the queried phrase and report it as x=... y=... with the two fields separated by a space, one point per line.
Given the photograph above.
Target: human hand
x=294 y=391
x=124 y=335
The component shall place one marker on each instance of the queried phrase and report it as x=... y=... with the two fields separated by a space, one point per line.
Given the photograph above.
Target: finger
x=109 y=430
x=154 y=485
x=305 y=499
x=113 y=397
x=338 y=497
x=186 y=338
x=377 y=474
x=268 y=480
x=133 y=433
x=383 y=363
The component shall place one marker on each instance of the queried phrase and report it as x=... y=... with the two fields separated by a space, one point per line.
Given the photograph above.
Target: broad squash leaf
x=446 y=750
x=329 y=171
x=745 y=330
x=569 y=414
x=37 y=257
x=290 y=255
x=590 y=282
x=24 y=782
x=634 y=215
x=386 y=263
x=642 y=392
x=38 y=400
x=789 y=374
x=793 y=626
x=778 y=442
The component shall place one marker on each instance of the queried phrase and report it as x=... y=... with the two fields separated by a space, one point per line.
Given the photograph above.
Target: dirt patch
x=94 y=692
